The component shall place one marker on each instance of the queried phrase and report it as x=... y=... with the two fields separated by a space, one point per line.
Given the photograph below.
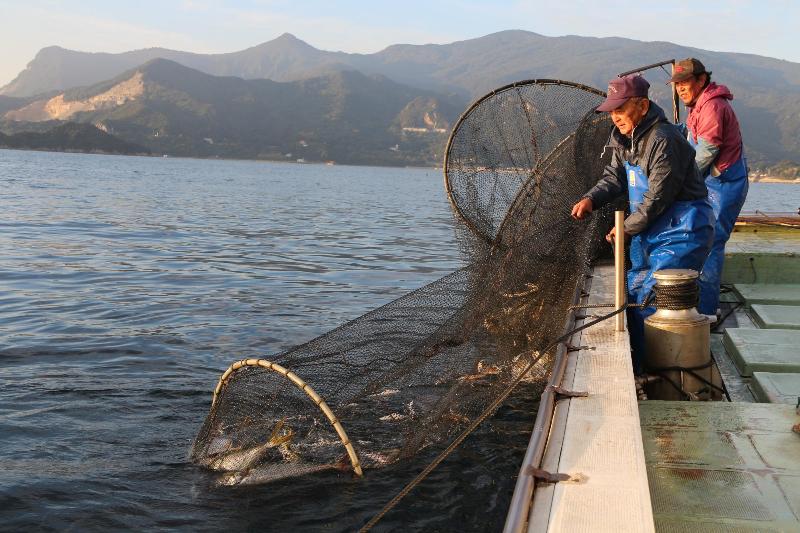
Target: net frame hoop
x=304 y=387
x=463 y=117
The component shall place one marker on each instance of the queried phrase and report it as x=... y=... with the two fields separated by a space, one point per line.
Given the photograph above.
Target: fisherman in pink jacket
x=714 y=132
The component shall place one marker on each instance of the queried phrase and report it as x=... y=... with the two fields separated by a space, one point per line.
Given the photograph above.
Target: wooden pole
x=676 y=110
x=619 y=267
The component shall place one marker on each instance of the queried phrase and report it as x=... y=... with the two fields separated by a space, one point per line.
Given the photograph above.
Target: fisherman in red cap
x=713 y=130
x=670 y=222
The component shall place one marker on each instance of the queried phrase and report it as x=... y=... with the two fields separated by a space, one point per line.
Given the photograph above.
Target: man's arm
x=611 y=185
x=665 y=179
x=709 y=134
x=705 y=155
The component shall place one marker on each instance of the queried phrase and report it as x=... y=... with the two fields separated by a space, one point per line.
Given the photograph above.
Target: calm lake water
x=127 y=285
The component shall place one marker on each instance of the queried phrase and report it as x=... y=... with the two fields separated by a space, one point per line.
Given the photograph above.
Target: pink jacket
x=712 y=120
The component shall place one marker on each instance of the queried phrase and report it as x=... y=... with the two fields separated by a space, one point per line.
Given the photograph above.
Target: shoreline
x=765 y=179
x=217 y=158
x=769 y=179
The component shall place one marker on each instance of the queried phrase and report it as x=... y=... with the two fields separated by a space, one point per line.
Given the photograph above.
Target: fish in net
x=413 y=373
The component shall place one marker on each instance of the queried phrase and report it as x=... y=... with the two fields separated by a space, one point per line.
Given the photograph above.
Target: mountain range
x=438 y=79
x=345 y=116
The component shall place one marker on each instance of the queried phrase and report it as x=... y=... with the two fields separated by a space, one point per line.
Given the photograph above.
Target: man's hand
x=612 y=235
x=582 y=209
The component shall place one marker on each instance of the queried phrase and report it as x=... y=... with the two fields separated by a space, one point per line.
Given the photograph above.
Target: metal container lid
x=672 y=276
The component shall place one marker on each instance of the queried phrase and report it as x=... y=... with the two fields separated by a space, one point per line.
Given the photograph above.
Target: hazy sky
x=767 y=27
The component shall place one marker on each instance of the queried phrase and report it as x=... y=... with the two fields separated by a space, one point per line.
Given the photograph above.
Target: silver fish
x=243 y=459
x=383 y=393
x=376 y=459
x=273 y=472
x=219 y=445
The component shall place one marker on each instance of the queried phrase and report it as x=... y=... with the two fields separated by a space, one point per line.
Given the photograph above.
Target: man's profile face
x=689 y=90
x=629 y=115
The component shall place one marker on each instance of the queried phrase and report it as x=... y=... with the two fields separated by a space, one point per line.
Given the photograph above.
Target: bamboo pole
x=303 y=386
x=619 y=267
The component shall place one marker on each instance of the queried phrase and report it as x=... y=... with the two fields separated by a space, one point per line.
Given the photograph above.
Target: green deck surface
x=718 y=466
x=774 y=387
x=768 y=293
x=759 y=256
x=760 y=241
x=763 y=350
x=760 y=268
x=776 y=316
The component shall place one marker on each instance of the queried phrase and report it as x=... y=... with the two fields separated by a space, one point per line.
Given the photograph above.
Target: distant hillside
x=7 y=103
x=344 y=116
x=71 y=137
x=767 y=90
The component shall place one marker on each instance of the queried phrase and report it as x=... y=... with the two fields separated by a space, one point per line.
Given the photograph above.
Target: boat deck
x=706 y=466
x=762 y=350
x=758 y=345
x=719 y=466
x=596 y=439
x=762 y=254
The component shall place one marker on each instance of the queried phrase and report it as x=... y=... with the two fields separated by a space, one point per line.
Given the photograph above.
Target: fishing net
x=411 y=374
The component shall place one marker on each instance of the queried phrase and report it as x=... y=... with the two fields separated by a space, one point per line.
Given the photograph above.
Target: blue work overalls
x=726 y=194
x=680 y=237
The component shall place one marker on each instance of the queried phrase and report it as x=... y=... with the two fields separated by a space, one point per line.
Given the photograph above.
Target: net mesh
x=410 y=374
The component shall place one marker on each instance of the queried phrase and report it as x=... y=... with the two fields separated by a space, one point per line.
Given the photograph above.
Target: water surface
x=128 y=284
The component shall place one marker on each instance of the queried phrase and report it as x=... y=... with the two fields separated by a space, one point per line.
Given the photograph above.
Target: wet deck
x=736 y=466
x=718 y=466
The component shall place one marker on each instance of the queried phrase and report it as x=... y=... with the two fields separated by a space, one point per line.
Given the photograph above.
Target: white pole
x=619 y=265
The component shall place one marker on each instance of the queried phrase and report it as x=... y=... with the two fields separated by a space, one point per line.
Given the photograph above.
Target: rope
x=483 y=416
x=691 y=370
x=590 y=306
x=677 y=297
x=694 y=374
x=736 y=305
x=676 y=386
x=646 y=303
